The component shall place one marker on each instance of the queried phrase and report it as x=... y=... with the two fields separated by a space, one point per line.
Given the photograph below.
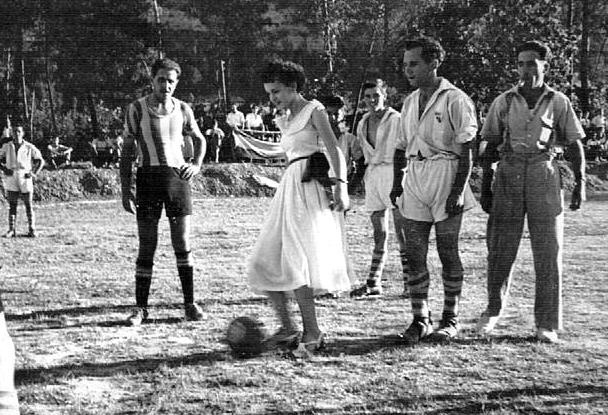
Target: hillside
x=239 y=179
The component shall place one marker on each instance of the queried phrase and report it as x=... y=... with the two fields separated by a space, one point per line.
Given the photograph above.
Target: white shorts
x=18 y=182
x=426 y=187
x=378 y=181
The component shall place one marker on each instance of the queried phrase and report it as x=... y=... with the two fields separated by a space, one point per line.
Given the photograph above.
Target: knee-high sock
x=418 y=284
x=452 y=288
x=185 y=270
x=12 y=215
x=143 y=280
x=405 y=266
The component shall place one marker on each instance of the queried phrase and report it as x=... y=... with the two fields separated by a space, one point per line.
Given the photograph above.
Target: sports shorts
x=426 y=187
x=378 y=181
x=158 y=186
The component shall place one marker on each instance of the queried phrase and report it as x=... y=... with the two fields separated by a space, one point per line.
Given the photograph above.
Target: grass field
x=68 y=292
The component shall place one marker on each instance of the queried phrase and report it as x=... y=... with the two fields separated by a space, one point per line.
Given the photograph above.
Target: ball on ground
x=246 y=335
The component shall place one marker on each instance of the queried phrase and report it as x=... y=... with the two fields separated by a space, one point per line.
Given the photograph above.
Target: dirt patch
x=239 y=179
x=93 y=183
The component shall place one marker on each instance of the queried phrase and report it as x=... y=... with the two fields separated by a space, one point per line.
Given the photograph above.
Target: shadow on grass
x=24 y=377
x=106 y=309
x=515 y=400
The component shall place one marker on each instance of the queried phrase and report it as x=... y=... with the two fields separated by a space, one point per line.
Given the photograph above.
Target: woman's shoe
x=283 y=338
x=306 y=349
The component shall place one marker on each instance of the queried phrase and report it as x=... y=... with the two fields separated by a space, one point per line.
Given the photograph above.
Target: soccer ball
x=246 y=335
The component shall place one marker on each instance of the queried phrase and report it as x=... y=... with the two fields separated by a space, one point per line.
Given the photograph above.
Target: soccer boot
x=193 y=312
x=448 y=329
x=138 y=316
x=420 y=328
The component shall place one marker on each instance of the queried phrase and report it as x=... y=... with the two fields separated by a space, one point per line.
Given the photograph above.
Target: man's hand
x=578 y=196
x=396 y=193
x=7 y=171
x=188 y=171
x=128 y=200
x=341 y=199
x=455 y=203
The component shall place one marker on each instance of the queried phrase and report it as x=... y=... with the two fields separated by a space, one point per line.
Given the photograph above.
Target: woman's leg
x=280 y=302
x=306 y=303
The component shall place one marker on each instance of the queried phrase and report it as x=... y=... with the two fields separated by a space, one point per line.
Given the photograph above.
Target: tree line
x=67 y=65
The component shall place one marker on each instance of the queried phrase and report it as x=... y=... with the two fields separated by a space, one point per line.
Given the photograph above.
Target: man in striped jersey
x=154 y=129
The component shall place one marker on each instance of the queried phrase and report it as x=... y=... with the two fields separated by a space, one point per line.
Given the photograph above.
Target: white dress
x=302 y=241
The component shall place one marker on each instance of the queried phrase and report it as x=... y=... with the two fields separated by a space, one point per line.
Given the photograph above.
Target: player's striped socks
x=419 y=293
x=143 y=280
x=12 y=220
x=375 y=271
x=404 y=266
x=452 y=288
x=185 y=270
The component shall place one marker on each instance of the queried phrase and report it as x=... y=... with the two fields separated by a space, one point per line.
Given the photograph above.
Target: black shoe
x=139 y=316
x=31 y=233
x=448 y=330
x=193 y=312
x=420 y=328
x=365 y=291
x=10 y=234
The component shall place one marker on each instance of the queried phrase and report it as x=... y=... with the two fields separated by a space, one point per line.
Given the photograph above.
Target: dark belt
x=297 y=159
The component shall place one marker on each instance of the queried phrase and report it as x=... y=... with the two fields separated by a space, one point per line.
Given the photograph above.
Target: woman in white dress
x=301 y=249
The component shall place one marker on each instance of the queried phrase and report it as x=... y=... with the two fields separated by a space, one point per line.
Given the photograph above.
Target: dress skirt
x=301 y=242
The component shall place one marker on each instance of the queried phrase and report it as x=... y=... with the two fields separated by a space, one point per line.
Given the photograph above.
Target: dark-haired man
x=439 y=123
x=525 y=128
x=378 y=133
x=154 y=130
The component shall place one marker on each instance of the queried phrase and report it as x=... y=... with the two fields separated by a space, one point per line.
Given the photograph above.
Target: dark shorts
x=159 y=186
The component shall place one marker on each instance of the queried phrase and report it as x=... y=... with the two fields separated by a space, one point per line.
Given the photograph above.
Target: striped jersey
x=159 y=138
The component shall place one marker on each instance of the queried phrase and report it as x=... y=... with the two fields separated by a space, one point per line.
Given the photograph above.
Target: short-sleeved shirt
x=20 y=162
x=235 y=119
x=448 y=121
x=552 y=122
x=254 y=120
x=387 y=136
x=22 y=159
x=160 y=138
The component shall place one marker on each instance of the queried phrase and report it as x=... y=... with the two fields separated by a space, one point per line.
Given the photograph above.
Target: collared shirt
x=22 y=159
x=159 y=138
x=387 y=136
x=449 y=120
x=531 y=130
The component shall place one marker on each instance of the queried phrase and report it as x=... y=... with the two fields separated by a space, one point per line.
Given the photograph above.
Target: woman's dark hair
x=285 y=72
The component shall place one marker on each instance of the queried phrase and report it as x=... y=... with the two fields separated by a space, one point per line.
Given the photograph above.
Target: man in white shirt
x=378 y=133
x=439 y=124
x=21 y=162
x=235 y=118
